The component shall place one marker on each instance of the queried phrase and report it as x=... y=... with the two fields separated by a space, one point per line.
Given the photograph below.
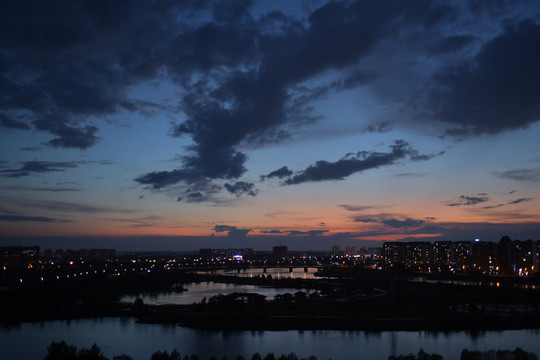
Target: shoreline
x=371 y=301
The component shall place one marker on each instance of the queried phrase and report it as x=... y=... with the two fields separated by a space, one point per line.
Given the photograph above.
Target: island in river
x=356 y=299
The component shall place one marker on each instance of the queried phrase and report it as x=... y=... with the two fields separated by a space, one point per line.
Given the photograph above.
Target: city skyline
x=151 y=125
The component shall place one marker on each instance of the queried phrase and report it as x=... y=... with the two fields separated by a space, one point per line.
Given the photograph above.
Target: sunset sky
x=189 y=124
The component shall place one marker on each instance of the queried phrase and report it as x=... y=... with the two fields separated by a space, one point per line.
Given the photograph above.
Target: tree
x=61 y=351
x=94 y=353
x=158 y=355
x=122 y=357
x=422 y=355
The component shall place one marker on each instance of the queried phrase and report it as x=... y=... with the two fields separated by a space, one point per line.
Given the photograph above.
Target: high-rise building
x=462 y=251
x=419 y=255
x=280 y=252
x=484 y=257
x=444 y=255
x=394 y=255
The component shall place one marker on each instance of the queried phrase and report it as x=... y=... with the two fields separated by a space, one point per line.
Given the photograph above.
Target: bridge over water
x=243 y=267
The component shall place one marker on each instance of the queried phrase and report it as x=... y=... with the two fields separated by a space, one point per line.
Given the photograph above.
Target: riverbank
x=372 y=301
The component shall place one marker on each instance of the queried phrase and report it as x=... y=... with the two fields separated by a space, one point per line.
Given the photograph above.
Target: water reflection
x=422 y=279
x=197 y=291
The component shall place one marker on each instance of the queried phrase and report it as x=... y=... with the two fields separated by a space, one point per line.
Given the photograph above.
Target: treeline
x=62 y=351
x=517 y=354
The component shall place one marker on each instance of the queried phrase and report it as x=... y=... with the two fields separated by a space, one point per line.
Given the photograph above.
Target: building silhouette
x=280 y=252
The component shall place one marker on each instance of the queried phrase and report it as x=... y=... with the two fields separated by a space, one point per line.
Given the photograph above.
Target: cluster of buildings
x=26 y=257
x=239 y=254
x=279 y=252
x=505 y=257
x=61 y=254
x=18 y=255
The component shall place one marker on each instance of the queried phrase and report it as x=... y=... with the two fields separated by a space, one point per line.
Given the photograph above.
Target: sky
x=190 y=124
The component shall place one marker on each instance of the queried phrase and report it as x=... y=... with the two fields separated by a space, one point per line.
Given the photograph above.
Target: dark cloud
x=22 y=218
x=193 y=197
x=365 y=220
x=513 y=202
x=517 y=201
x=97 y=162
x=200 y=192
x=272 y=232
x=308 y=232
x=160 y=179
x=66 y=207
x=75 y=207
x=42 y=188
x=139 y=222
x=521 y=175
x=493 y=206
x=451 y=44
x=12 y=124
x=411 y=175
x=354 y=163
x=77 y=63
x=241 y=188
x=232 y=231
x=381 y=127
x=391 y=222
x=497 y=89
x=30 y=167
x=395 y=223
x=279 y=173
x=224 y=228
x=464 y=200
x=243 y=80
x=68 y=136
x=356 y=207
x=260 y=101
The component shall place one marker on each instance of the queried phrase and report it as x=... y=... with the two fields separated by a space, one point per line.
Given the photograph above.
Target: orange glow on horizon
x=395 y=237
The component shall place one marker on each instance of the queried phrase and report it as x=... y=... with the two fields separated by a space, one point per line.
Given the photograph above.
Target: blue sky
x=152 y=124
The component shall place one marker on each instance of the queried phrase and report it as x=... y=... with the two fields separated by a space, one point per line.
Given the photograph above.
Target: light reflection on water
x=197 y=291
x=469 y=282
x=116 y=336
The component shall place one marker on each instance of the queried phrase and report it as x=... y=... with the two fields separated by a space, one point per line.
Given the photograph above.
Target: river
x=195 y=292
x=123 y=335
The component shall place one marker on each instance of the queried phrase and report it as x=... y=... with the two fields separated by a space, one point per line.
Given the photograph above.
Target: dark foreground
x=359 y=300
x=63 y=351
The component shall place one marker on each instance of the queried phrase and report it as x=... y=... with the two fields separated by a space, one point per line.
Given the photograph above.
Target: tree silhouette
x=158 y=355
x=94 y=353
x=122 y=357
x=61 y=351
